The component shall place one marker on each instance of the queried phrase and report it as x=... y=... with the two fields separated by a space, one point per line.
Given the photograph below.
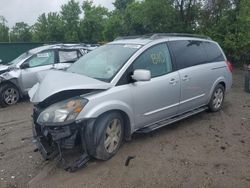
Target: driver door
x=158 y=98
x=38 y=62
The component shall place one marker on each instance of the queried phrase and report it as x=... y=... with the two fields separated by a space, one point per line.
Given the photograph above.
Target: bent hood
x=3 y=68
x=57 y=81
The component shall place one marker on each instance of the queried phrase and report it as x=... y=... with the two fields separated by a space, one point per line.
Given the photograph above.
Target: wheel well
x=224 y=85
x=13 y=84
x=7 y=82
x=127 y=125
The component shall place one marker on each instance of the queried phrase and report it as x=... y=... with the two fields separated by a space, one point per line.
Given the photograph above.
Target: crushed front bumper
x=52 y=141
x=48 y=139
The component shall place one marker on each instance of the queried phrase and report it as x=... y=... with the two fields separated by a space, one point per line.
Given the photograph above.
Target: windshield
x=104 y=62
x=19 y=58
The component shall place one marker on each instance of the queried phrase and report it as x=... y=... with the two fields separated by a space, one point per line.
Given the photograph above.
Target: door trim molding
x=173 y=105
x=160 y=109
x=188 y=100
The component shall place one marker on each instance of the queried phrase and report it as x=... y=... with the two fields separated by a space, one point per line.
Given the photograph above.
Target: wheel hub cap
x=218 y=98
x=113 y=135
x=11 y=96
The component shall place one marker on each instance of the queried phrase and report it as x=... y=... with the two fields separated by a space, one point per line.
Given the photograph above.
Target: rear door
x=158 y=98
x=66 y=57
x=190 y=58
x=197 y=62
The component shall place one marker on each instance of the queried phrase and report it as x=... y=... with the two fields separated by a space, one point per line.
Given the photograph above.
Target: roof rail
x=160 y=35
x=154 y=36
x=129 y=37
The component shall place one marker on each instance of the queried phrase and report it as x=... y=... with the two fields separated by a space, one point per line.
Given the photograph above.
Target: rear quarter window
x=213 y=51
x=188 y=53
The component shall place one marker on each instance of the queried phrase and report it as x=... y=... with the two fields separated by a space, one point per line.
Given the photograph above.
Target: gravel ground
x=206 y=150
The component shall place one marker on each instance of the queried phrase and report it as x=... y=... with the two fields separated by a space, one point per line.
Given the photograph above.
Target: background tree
x=70 y=15
x=21 y=33
x=55 y=27
x=40 y=29
x=93 y=24
x=4 y=30
x=114 y=26
x=225 y=21
x=187 y=14
x=122 y=4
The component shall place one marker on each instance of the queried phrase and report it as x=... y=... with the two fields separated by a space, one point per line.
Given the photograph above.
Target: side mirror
x=1 y=61
x=25 y=65
x=141 y=75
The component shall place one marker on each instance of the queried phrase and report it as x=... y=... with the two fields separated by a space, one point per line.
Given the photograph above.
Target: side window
x=41 y=59
x=188 y=53
x=156 y=59
x=85 y=51
x=68 y=56
x=214 y=53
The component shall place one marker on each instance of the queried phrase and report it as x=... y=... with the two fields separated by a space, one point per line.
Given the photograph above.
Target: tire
x=9 y=95
x=110 y=128
x=216 y=102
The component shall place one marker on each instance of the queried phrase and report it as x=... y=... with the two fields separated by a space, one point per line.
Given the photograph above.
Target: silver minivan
x=19 y=75
x=133 y=84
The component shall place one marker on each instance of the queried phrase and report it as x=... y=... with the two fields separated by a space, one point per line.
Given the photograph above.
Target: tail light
x=230 y=66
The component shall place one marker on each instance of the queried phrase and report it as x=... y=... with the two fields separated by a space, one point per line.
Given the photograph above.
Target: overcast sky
x=28 y=10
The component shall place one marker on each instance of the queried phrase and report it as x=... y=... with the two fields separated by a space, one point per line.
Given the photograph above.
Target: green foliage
x=21 y=33
x=48 y=28
x=150 y=17
x=122 y=4
x=40 y=29
x=92 y=26
x=114 y=26
x=229 y=23
x=70 y=15
x=4 y=30
x=55 y=27
x=225 y=21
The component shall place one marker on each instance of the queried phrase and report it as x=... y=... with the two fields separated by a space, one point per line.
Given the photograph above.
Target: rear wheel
x=217 y=99
x=111 y=137
x=9 y=95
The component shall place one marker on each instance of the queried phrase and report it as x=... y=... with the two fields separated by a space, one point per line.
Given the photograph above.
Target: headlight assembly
x=62 y=112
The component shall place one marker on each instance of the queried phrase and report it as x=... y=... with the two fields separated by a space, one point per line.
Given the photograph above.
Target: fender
x=219 y=80
x=96 y=111
x=12 y=81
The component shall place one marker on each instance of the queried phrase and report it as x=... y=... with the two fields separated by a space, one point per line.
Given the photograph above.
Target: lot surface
x=206 y=150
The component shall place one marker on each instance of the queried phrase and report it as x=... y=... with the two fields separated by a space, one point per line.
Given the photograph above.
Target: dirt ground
x=206 y=150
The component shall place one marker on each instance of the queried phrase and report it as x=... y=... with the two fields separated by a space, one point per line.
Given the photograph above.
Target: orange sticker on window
x=157 y=58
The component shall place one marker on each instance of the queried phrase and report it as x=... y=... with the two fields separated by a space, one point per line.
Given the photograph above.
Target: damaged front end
x=11 y=74
x=58 y=100
x=56 y=131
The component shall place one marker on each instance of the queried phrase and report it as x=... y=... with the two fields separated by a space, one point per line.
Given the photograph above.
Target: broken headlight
x=62 y=112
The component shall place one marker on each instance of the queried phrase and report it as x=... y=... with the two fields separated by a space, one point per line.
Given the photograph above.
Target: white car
x=19 y=75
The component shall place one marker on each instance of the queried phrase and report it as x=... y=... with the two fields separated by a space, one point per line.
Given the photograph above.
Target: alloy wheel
x=218 y=98
x=11 y=96
x=113 y=136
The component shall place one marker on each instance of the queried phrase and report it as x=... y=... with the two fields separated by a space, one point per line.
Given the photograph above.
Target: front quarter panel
x=116 y=98
x=12 y=76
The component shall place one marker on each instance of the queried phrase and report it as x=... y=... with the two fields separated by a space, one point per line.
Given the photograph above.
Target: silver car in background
x=19 y=75
x=133 y=84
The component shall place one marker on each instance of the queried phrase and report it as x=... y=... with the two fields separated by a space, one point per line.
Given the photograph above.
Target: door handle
x=173 y=81
x=185 y=78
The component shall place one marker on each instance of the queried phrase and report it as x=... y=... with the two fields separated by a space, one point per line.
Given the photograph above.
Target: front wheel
x=111 y=137
x=9 y=95
x=217 y=99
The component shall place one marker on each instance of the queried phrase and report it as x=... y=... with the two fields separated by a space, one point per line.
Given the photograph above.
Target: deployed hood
x=57 y=81
x=3 y=68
